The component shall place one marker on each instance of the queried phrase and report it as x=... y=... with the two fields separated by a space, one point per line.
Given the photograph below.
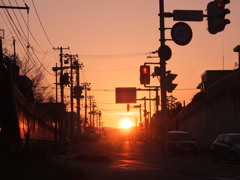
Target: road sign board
x=188 y=15
x=181 y=33
x=126 y=95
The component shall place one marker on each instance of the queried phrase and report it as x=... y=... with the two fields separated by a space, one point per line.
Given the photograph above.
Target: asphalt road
x=138 y=160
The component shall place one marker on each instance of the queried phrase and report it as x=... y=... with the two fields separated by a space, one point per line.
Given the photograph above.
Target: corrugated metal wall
x=218 y=111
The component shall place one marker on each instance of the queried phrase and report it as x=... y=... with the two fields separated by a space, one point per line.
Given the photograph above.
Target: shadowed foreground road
x=137 y=160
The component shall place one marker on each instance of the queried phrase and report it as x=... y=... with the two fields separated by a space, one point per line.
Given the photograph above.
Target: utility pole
x=56 y=85
x=146 y=120
x=61 y=71
x=78 y=96
x=157 y=100
x=93 y=113
x=1 y=51
x=145 y=111
x=14 y=51
x=140 y=111
x=74 y=93
x=90 y=109
x=14 y=7
x=150 y=104
x=86 y=87
x=71 y=95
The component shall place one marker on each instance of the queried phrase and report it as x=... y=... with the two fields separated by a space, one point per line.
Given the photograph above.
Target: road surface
x=139 y=160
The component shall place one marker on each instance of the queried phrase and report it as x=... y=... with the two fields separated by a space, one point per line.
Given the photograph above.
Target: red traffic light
x=221 y=3
x=145 y=70
x=144 y=74
x=128 y=107
x=216 y=16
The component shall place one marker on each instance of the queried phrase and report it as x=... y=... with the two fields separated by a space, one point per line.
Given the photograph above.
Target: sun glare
x=126 y=124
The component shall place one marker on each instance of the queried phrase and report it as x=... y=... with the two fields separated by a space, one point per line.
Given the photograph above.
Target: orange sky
x=112 y=39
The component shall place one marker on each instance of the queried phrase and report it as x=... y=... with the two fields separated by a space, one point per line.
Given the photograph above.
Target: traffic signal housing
x=216 y=13
x=144 y=74
x=128 y=107
x=169 y=78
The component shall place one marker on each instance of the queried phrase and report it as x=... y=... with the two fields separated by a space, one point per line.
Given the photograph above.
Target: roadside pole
x=163 y=84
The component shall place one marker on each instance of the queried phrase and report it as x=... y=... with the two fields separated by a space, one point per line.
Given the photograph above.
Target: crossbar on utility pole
x=15 y=7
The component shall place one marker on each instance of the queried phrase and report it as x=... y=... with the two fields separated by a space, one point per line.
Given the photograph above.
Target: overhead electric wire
x=114 y=70
x=18 y=22
x=42 y=64
x=8 y=27
x=41 y=24
x=105 y=56
x=23 y=40
x=9 y=17
x=16 y=34
x=45 y=52
x=12 y=23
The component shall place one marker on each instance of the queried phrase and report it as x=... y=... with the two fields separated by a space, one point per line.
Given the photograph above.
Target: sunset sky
x=113 y=38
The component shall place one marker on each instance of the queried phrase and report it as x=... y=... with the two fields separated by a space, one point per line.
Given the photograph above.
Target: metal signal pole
x=163 y=84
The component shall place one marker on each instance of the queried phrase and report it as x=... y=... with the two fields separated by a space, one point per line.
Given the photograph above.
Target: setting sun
x=126 y=124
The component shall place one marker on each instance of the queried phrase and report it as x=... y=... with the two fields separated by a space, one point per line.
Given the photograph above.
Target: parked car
x=226 y=147
x=181 y=142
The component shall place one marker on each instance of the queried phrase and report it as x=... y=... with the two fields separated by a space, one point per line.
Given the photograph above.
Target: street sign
x=164 y=52
x=181 y=33
x=188 y=15
x=126 y=95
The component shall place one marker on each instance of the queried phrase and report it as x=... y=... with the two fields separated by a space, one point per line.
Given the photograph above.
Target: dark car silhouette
x=181 y=142
x=226 y=147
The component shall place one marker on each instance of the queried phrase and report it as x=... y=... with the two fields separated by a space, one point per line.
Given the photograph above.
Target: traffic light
x=128 y=107
x=169 y=78
x=144 y=74
x=216 y=13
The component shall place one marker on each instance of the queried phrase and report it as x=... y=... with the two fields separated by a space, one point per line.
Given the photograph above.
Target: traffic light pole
x=163 y=84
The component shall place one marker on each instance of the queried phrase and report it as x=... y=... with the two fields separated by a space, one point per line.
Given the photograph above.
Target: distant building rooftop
x=209 y=77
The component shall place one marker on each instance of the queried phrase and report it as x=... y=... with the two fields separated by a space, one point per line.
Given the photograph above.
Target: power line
x=45 y=52
x=114 y=70
x=32 y=59
x=18 y=22
x=99 y=56
x=42 y=24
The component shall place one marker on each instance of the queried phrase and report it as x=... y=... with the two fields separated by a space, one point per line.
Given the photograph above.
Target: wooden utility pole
x=61 y=71
x=86 y=87
x=78 y=66
x=90 y=109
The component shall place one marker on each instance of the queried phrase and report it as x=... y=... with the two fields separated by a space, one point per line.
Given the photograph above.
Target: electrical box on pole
x=216 y=13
